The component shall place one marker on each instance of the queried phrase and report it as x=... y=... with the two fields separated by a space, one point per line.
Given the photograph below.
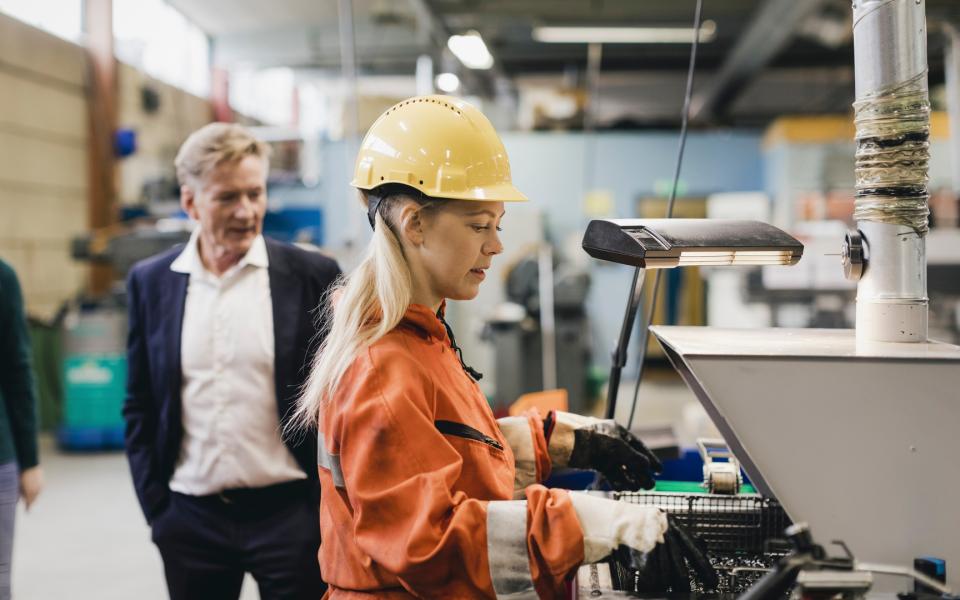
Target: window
x=155 y=38
x=264 y=94
x=62 y=18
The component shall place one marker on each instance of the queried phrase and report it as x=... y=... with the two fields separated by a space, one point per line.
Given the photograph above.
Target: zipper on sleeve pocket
x=465 y=431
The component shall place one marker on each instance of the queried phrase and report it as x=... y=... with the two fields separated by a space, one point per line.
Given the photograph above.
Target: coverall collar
x=423 y=319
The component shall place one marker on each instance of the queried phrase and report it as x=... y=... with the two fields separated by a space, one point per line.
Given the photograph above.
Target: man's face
x=229 y=204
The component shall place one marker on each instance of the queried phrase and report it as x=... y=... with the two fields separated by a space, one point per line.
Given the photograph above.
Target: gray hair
x=215 y=144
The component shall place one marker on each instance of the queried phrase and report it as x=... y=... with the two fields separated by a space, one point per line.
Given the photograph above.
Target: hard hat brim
x=503 y=192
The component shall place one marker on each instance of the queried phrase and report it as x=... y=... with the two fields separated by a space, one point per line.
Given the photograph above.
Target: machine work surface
x=719 y=341
x=858 y=442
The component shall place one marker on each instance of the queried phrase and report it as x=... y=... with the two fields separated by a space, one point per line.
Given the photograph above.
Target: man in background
x=20 y=475
x=220 y=333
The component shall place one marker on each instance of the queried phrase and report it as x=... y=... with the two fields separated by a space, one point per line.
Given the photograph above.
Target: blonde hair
x=212 y=145
x=368 y=304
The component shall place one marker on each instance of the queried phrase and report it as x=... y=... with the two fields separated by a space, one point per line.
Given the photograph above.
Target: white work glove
x=607 y=524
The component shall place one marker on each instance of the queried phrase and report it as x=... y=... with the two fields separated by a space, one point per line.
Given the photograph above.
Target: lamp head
x=668 y=243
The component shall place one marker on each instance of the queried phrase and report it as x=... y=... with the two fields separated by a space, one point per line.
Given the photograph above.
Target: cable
x=645 y=329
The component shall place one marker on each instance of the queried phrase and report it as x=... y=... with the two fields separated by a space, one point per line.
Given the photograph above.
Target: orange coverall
x=418 y=483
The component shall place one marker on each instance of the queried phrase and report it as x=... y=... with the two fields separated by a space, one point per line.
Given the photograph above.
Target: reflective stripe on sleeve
x=329 y=461
x=507 y=549
x=517 y=432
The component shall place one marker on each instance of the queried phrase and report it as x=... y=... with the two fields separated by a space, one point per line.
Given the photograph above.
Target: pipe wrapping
x=893 y=155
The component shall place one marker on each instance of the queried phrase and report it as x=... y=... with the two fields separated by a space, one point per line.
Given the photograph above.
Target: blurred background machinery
x=517 y=335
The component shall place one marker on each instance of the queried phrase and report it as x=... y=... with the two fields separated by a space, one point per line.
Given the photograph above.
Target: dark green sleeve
x=17 y=386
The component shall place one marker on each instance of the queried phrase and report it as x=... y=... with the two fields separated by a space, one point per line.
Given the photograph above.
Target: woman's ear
x=411 y=223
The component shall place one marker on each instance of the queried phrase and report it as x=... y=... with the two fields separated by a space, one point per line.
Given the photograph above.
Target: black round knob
x=853 y=255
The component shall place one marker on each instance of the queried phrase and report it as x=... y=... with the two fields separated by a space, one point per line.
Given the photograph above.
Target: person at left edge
x=219 y=332
x=20 y=473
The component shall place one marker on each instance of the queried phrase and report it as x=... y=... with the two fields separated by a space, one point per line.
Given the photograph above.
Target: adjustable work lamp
x=668 y=243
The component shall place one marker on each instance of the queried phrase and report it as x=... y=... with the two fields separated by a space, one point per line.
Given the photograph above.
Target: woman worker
x=424 y=493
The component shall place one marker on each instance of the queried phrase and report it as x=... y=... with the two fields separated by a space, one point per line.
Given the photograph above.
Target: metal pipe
x=594 y=58
x=424 y=75
x=548 y=330
x=351 y=133
x=893 y=126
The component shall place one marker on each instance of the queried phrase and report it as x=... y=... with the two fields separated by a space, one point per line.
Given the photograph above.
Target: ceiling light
x=471 y=50
x=624 y=35
x=668 y=243
x=448 y=82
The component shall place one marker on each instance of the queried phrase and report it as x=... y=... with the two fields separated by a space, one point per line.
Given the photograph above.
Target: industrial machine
x=851 y=431
x=736 y=525
x=94 y=364
x=517 y=333
x=740 y=529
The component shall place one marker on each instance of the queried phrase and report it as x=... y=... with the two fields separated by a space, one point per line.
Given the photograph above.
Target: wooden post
x=102 y=123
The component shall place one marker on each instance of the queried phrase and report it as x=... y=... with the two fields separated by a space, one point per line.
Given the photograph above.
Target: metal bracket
x=721 y=476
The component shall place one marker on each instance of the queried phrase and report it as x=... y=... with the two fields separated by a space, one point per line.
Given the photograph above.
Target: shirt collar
x=189 y=259
x=257 y=254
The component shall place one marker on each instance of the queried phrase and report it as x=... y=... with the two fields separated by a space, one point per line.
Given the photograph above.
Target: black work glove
x=667 y=568
x=604 y=446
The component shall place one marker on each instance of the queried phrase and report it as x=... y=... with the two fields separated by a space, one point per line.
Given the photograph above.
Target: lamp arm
x=619 y=355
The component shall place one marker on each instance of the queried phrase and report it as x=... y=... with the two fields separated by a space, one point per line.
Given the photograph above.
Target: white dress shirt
x=231 y=431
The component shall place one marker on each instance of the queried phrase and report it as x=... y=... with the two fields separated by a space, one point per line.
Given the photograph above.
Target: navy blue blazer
x=152 y=410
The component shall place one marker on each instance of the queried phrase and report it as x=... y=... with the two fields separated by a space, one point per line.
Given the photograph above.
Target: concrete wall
x=159 y=133
x=43 y=154
x=43 y=161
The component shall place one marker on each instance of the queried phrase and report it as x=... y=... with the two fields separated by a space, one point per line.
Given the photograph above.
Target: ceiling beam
x=490 y=82
x=430 y=26
x=770 y=31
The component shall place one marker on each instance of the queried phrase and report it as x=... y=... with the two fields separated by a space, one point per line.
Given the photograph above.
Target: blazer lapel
x=286 y=292
x=174 y=300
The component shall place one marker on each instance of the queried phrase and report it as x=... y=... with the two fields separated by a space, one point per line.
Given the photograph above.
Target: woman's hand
x=604 y=446
x=31 y=482
x=667 y=569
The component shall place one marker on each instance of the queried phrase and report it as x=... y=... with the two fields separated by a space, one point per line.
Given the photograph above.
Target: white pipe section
x=890 y=42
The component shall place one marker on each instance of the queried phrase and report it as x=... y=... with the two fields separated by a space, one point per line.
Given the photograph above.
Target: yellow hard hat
x=439 y=145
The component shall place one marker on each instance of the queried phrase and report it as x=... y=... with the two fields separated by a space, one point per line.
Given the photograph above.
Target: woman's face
x=459 y=240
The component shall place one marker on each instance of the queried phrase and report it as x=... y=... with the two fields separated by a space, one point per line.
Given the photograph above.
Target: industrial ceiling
x=768 y=57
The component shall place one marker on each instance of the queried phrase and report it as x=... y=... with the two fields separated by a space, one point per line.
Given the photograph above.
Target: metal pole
x=348 y=69
x=424 y=75
x=594 y=58
x=548 y=330
x=893 y=125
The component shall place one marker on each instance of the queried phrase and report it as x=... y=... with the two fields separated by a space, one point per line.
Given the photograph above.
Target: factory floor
x=86 y=538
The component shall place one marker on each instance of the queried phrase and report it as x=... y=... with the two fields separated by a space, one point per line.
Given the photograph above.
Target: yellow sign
x=598 y=203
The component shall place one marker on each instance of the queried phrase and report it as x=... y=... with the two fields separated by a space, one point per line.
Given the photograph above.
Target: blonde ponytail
x=368 y=304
